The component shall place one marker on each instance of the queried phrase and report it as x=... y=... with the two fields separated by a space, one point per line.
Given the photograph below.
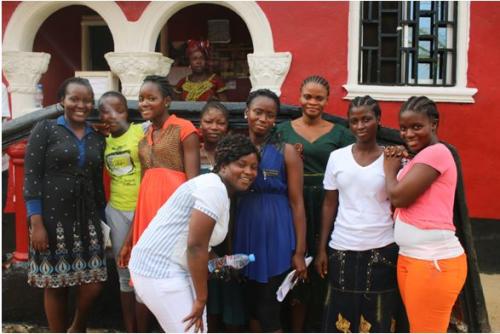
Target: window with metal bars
x=408 y=43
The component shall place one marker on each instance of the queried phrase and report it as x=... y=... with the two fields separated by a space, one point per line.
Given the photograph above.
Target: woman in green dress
x=315 y=138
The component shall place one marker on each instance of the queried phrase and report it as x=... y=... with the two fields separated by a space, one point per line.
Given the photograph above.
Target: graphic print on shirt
x=120 y=163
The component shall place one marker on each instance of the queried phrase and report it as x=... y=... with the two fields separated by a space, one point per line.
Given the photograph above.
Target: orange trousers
x=429 y=290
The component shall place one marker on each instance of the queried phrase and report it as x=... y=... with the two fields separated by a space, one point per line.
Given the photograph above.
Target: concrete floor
x=490 y=282
x=491 y=290
x=486 y=237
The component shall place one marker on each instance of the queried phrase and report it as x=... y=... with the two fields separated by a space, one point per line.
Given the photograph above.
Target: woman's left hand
x=299 y=264
x=195 y=318
x=392 y=158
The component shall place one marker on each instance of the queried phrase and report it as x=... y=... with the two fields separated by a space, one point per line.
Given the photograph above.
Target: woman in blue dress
x=270 y=218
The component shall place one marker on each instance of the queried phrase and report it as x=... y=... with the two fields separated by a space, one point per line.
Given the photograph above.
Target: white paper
x=288 y=284
x=106 y=231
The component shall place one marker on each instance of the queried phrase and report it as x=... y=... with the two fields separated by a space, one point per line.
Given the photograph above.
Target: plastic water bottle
x=236 y=261
x=39 y=96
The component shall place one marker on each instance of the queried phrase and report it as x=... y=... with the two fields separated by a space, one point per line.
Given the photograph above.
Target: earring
x=245 y=116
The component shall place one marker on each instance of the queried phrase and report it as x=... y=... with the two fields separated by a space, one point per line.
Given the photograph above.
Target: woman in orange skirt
x=169 y=154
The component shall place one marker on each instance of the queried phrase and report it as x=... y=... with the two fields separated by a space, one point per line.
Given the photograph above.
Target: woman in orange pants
x=432 y=264
x=429 y=290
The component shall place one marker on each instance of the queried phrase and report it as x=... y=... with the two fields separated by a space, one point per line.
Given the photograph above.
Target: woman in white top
x=169 y=263
x=361 y=266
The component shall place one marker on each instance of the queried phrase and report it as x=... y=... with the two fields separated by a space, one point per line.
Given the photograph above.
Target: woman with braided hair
x=360 y=263
x=432 y=264
x=169 y=155
x=169 y=263
x=315 y=138
x=200 y=85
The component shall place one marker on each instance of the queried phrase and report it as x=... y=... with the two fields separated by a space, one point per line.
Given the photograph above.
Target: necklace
x=211 y=162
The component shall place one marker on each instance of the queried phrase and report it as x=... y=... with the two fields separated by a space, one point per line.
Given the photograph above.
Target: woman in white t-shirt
x=361 y=264
x=169 y=263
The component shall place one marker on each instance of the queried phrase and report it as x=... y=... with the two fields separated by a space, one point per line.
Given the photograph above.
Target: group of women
x=303 y=187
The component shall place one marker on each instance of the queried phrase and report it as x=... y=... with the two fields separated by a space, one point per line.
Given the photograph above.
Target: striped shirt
x=161 y=249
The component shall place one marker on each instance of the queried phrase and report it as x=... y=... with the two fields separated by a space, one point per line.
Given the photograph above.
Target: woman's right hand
x=321 y=263
x=39 y=236
x=124 y=256
x=195 y=318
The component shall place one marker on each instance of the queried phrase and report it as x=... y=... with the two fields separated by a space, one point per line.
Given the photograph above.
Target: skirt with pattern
x=76 y=254
x=362 y=291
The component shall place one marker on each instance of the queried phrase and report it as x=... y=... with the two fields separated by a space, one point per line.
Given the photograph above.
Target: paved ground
x=24 y=328
x=486 y=236
x=490 y=282
x=491 y=290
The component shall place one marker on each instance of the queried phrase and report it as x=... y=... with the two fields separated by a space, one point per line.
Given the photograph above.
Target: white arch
x=29 y=16
x=267 y=68
x=157 y=14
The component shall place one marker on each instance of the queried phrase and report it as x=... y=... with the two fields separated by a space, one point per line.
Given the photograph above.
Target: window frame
x=88 y=21
x=459 y=93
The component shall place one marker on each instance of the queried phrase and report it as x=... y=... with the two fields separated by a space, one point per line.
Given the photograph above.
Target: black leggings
x=263 y=305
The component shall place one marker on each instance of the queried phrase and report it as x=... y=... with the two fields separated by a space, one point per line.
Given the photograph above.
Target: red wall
x=318 y=42
x=133 y=9
x=316 y=35
x=8 y=7
x=471 y=127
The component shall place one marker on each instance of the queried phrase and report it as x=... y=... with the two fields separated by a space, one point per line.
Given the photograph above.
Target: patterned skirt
x=76 y=253
x=74 y=258
x=362 y=291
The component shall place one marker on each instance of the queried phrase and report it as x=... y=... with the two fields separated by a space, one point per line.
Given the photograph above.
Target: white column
x=23 y=71
x=269 y=70
x=133 y=67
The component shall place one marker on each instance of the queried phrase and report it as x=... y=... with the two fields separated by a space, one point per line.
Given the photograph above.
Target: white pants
x=169 y=299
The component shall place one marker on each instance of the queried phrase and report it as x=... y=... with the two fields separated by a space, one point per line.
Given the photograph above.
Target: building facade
x=393 y=50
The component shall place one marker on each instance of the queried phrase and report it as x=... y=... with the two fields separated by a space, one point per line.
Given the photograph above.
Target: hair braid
x=213 y=104
x=263 y=92
x=365 y=101
x=318 y=80
x=421 y=104
x=161 y=82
